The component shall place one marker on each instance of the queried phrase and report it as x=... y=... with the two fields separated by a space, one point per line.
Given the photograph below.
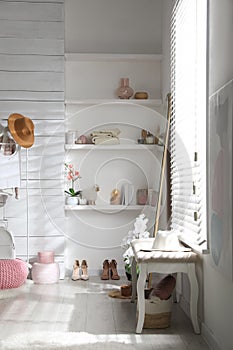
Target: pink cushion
x=13 y=273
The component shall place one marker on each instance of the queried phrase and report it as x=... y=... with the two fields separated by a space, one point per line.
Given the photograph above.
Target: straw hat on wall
x=21 y=129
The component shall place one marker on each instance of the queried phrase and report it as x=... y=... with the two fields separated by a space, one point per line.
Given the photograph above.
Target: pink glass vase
x=125 y=91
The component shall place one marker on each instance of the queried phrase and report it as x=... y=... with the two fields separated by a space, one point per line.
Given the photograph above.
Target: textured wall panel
x=32 y=83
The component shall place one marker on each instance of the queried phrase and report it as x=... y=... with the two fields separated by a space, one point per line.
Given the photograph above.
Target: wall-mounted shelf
x=138 y=147
x=90 y=102
x=107 y=208
x=74 y=57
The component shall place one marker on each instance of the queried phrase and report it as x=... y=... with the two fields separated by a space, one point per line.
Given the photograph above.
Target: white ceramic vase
x=82 y=201
x=72 y=200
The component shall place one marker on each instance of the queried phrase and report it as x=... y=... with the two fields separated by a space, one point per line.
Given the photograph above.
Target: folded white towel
x=110 y=132
x=105 y=140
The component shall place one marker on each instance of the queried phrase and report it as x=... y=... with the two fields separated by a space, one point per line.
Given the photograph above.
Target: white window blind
x=188 y=120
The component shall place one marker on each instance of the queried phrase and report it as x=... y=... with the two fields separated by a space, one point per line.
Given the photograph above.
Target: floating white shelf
x=102 y=57
x=131 y=146
x=107 y=208
x=87 y=102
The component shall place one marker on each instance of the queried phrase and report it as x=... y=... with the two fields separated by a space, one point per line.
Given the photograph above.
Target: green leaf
x=72 y=191
x=77 y=193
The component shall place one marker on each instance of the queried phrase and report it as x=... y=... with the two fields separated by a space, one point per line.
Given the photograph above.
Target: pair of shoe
x=76 y=271
x=110 y=270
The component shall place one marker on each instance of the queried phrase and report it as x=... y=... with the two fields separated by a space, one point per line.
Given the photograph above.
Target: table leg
x=193 y=297
x=141 y=296
x=134 y=280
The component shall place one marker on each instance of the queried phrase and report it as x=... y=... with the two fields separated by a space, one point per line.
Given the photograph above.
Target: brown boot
x=113 y=270
x=105 y=273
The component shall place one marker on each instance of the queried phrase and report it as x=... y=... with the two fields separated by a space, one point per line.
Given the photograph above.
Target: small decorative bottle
x=125 y=91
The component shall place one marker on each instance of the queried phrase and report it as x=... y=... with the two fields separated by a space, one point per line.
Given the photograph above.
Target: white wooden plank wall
x=32 y=83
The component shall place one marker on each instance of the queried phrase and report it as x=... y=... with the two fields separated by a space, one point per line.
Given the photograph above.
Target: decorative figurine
x=115 y=197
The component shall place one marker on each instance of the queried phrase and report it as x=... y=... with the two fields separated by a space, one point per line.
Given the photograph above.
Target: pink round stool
x=45 y=273
x=46 y=257
x=13 y=273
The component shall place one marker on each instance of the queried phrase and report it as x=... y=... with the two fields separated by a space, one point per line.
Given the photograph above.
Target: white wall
x=221 y=43
x=218 y=290
x=166 y=15
x=110 y=26
x=32 y=83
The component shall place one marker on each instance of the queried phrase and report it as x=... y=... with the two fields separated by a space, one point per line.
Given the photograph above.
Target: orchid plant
x=140 y=231
x=72 y=175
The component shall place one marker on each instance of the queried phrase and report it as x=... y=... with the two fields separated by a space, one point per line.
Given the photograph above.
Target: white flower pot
x=72 y=200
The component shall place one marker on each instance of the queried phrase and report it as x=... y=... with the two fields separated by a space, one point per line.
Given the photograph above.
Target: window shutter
x=188 y=120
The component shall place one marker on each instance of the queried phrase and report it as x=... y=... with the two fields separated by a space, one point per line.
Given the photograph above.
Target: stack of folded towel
x=109 y=137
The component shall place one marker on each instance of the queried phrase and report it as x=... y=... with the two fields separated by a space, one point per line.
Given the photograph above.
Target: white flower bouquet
x=140 y=231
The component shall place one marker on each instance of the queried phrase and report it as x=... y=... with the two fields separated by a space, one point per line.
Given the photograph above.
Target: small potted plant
x=72 y=175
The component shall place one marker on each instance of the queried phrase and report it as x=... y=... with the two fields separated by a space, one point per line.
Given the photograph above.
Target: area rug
x=61 y=341
x=14 y=292
x=8 y=293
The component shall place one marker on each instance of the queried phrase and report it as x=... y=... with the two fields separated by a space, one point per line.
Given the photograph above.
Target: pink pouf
x=13 y=273
x=45 y=273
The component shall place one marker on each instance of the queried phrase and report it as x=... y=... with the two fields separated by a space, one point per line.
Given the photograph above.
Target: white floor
x=86 y=307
